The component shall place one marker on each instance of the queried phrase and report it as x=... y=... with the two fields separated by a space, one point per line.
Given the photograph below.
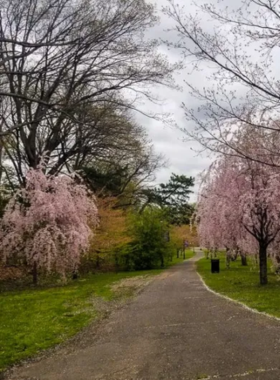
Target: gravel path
x=175 y=329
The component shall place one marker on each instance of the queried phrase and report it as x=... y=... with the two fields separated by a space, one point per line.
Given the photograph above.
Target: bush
x=149 y=247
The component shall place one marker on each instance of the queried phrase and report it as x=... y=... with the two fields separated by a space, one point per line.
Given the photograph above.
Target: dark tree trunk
x=277 y=269
x=35 y=273
x=97 y=261
x=127 y=266
x=161 y=258
x=263 y=264
x=243 y=259
x=75 y=273
x=116 y=263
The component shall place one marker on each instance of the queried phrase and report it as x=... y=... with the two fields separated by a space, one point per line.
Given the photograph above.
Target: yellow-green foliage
x=178 y=234
x=111 y=234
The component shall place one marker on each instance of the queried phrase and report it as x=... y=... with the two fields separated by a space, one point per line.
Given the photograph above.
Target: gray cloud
x=181 y=155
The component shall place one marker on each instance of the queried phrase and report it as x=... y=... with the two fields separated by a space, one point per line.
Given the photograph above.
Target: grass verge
x=188 y=255
x=32 y=320
x=241 y=283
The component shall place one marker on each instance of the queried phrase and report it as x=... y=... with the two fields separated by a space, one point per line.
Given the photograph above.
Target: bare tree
x=105 y=137
x=237 y=45
x=61 y=62
x=123 y=165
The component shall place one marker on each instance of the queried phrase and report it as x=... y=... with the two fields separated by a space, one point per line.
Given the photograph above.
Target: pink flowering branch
x=239 y=207
x=48 y=224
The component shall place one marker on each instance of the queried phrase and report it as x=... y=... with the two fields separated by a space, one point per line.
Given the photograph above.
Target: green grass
x=241 y=283
x=188 y=255
x=36 y=319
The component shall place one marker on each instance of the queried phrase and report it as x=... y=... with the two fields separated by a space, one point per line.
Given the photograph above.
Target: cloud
x=181 y=155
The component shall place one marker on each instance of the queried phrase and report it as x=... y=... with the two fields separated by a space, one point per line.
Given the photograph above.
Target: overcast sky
x=182 y=155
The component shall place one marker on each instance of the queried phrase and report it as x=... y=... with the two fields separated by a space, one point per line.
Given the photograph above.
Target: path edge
x=235 y=301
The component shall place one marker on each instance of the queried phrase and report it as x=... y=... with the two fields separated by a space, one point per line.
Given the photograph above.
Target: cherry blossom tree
x=239 y=207
x=215 y=211
x=48 y=224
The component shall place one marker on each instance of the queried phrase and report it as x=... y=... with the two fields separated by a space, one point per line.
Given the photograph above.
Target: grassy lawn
x=242 y=284
x=32 y=320
x=188 y=255
x=36 y=319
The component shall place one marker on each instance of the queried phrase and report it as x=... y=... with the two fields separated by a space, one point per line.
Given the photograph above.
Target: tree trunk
x=234 y=255
x=263 y=264
x=35 y=273
x=243 y=259
x=97 y=261
x=116 y=263
x=75 y=274
x=228 y=258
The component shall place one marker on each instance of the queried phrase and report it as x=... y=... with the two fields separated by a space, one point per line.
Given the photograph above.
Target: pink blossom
x=239 y=205
x=49 y=222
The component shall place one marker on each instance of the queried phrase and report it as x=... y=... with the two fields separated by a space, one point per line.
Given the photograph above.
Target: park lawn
x=36 y=319
x=32 y=320
x=189 y=253
x=241 y=283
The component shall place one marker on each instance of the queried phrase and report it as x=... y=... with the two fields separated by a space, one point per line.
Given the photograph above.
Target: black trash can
x=215 y=265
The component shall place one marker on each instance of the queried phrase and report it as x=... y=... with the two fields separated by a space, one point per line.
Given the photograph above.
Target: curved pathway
x=175 y=329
